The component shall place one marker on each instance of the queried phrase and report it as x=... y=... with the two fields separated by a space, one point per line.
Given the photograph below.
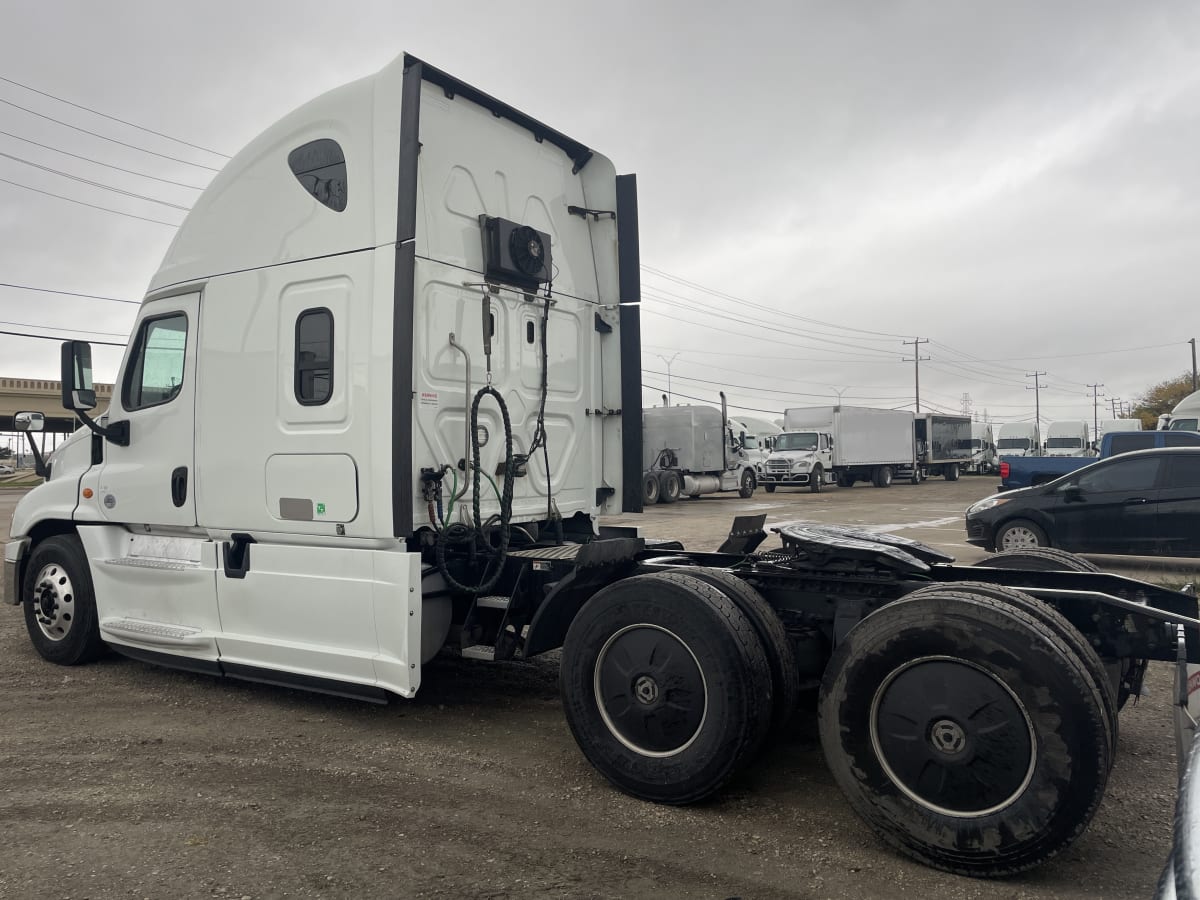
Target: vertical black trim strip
x=629 y=262
x=403 y=304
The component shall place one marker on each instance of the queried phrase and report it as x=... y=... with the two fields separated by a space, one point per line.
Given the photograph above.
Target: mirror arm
x=115 y=432
x=40 y=469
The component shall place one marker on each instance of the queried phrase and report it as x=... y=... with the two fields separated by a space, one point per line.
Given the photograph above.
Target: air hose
x=461 y=534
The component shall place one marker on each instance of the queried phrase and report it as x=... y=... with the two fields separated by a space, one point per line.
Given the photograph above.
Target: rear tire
x=666 y=686
x=882 y=477
x=59 y=602
x=785 y=672
x=748 y=483
x=670 y=487
x=950 y=472
x=1061 y=626
x=1038 y=559
x=967 y=734
x=846 y=481
x=650 y=489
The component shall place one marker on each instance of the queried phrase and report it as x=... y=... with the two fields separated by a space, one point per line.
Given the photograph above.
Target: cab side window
x=155 y=373
x=314 y=356
x=1124 y=475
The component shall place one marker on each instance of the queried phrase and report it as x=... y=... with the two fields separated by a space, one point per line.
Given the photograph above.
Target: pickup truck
x=1027 y=471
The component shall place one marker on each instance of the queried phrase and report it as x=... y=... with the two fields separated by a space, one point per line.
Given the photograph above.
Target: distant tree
x=1161 y=398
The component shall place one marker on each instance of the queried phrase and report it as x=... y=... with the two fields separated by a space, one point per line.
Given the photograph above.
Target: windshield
x=806 y=440
x=1061 y=443
x=976 y=444
x=1013 y=444
x=1183 y=425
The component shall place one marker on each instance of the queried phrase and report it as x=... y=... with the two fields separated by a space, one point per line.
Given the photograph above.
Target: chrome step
x=479 y=651
x=154 y=632
x=152 y=562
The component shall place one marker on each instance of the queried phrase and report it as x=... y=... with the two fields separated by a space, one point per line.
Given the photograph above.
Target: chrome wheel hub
x=54 y=601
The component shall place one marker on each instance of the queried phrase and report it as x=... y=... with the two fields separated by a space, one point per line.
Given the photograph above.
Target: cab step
x=479 y=651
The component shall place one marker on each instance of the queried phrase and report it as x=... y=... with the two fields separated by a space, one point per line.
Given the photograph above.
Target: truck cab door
x=150 y=482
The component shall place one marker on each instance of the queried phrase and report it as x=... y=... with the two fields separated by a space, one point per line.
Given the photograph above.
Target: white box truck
x=1018 y=439
x=364 y=415
x=1068 y=438
x=841 y=445
x=690 y=451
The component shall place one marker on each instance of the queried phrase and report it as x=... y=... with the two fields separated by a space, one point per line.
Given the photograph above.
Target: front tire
x=966 y=733
x=1020 y=534
x=60 y=603
x=665 y=686
x=769 y=488
x=746 y=489
x=816 y=480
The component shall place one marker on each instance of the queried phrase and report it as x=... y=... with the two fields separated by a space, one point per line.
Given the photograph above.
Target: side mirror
x=29 y=421
x=78 y=392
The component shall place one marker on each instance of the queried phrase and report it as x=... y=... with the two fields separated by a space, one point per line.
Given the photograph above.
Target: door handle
x=1134 y=501
x=179 y=486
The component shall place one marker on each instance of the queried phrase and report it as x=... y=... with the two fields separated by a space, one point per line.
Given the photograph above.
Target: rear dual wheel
x=966 y=733
x=666 y=686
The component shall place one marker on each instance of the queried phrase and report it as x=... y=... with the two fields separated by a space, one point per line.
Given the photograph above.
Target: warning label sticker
x=429 y=398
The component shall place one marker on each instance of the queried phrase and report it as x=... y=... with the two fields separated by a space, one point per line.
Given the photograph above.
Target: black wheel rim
x=650 y=690
x=953 y=737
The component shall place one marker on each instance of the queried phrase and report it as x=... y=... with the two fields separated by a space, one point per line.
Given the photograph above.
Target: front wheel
x=966 y=733
x=1020 y=534
x=666 y=686
x=746 y=489
x=816 y=480
x=769 y=488
x=60 y=603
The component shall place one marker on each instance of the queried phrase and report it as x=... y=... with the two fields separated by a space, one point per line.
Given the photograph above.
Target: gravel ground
x=122 y=780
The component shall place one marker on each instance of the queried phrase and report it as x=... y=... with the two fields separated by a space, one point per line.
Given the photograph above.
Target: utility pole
x=1192 y=341
x=917 y=357
x=1114 y=401
x=1037 y=406
x=1096 y=411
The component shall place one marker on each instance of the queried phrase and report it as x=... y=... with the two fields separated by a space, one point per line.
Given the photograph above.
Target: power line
x=47 y=337
x=114 y=118
x=92 y=205
x=25 y=287
x=66 y=328
x=716 y=293
x=17 y=137
x=102 y=137
x=95 y=184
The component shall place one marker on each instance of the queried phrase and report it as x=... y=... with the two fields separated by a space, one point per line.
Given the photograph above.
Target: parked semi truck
x=357 y=423
x=983 y=450
x=1068 y=438
x=1018 y=439
x=1108 y=426
x=841 y=445
x=1184 y=417
x=693 y=450
x=943 y=445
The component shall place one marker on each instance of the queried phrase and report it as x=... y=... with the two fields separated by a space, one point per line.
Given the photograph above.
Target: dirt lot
x=123 y=780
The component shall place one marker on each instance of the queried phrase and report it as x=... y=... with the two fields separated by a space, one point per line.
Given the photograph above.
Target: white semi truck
x=1018 y=439
x=377 y=398
x=841 y=445
x=983 y=450
x=1184 y=417
x=1068 y=438
x=692 y=450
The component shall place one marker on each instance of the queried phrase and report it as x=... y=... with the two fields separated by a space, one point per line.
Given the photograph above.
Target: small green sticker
x=320 y=509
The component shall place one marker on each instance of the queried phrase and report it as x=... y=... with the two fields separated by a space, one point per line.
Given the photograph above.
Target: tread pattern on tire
x=1069 y=562
x=785 y=671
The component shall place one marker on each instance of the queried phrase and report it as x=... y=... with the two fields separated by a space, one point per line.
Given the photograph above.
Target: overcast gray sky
x=1016 y=182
